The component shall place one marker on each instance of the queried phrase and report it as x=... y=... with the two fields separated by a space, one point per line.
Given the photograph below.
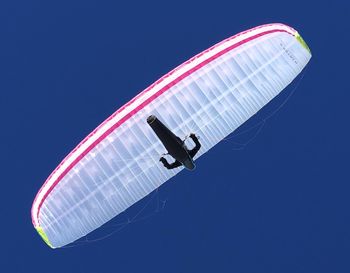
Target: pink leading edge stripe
x=141 y=106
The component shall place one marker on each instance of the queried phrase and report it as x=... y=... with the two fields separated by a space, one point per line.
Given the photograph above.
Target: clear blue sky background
x=279 y=205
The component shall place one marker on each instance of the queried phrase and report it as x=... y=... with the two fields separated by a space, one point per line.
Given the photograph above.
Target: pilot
x=174 y=145
x=191 y=153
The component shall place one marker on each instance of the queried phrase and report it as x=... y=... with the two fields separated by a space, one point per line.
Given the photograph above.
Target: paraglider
x=209 y=96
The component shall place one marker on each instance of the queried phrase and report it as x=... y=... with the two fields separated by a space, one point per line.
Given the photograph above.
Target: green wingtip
x=302 y=42
x=44 y=236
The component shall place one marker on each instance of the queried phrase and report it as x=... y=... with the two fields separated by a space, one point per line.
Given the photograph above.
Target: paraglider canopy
x=210 y=95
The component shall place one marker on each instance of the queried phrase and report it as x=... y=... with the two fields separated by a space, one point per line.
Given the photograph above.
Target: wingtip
x=44 y=236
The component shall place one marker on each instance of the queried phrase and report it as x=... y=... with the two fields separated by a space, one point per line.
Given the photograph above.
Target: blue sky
x=280 y=204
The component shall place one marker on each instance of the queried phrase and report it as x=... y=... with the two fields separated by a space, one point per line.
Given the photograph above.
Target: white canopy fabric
x=210 y=95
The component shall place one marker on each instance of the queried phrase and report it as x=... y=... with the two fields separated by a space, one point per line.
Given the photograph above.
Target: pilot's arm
x=166 y=164
x=195 y=150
